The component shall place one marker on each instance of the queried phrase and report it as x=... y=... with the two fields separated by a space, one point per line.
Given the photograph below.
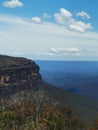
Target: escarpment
x=17 y=74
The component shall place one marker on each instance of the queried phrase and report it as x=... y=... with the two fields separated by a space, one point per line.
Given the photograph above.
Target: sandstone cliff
x=17 y=74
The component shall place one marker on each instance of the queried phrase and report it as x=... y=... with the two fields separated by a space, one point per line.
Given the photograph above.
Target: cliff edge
x=17 y=73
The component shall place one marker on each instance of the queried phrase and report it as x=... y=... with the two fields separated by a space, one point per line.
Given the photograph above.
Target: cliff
x=17 y=74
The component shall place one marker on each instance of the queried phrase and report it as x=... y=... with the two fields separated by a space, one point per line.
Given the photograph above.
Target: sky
x=49 y=30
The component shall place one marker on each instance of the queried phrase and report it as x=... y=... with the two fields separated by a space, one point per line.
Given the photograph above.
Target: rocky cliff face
x=17 y=74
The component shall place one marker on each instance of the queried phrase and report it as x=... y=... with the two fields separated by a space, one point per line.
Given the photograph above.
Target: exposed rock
x=17 y=74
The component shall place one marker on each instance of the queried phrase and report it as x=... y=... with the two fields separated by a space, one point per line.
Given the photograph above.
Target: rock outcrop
x=17 y=74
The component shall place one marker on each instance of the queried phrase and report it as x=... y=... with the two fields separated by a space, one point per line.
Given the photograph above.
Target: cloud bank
x=70 y=51
x=22 y=37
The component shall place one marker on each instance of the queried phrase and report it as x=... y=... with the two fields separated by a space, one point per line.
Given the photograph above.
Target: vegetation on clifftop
x=36 y=111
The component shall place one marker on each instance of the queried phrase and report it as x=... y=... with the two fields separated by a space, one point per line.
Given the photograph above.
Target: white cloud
x=83 y=15
x=79 y=26
x=88 y=51
x=64 y=51
x=65 y=13
x=37 y=20
x=47 y=54
x=70 y=51
x=12 y=3
x=64 y=17
x=46 y=15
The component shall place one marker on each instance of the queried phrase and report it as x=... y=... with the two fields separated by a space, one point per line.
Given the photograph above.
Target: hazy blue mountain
x=79 y=77
x=70 y=66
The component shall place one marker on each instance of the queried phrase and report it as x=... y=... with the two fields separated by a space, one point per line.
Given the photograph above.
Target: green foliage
x=29 y=115
x=35 y=111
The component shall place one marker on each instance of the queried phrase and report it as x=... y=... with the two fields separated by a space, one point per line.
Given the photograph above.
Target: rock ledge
x=17 y=73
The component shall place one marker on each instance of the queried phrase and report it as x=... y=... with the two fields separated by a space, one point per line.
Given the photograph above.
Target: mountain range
x=79 y=77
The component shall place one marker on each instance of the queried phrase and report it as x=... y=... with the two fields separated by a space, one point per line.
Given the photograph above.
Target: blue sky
x=49 y=30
